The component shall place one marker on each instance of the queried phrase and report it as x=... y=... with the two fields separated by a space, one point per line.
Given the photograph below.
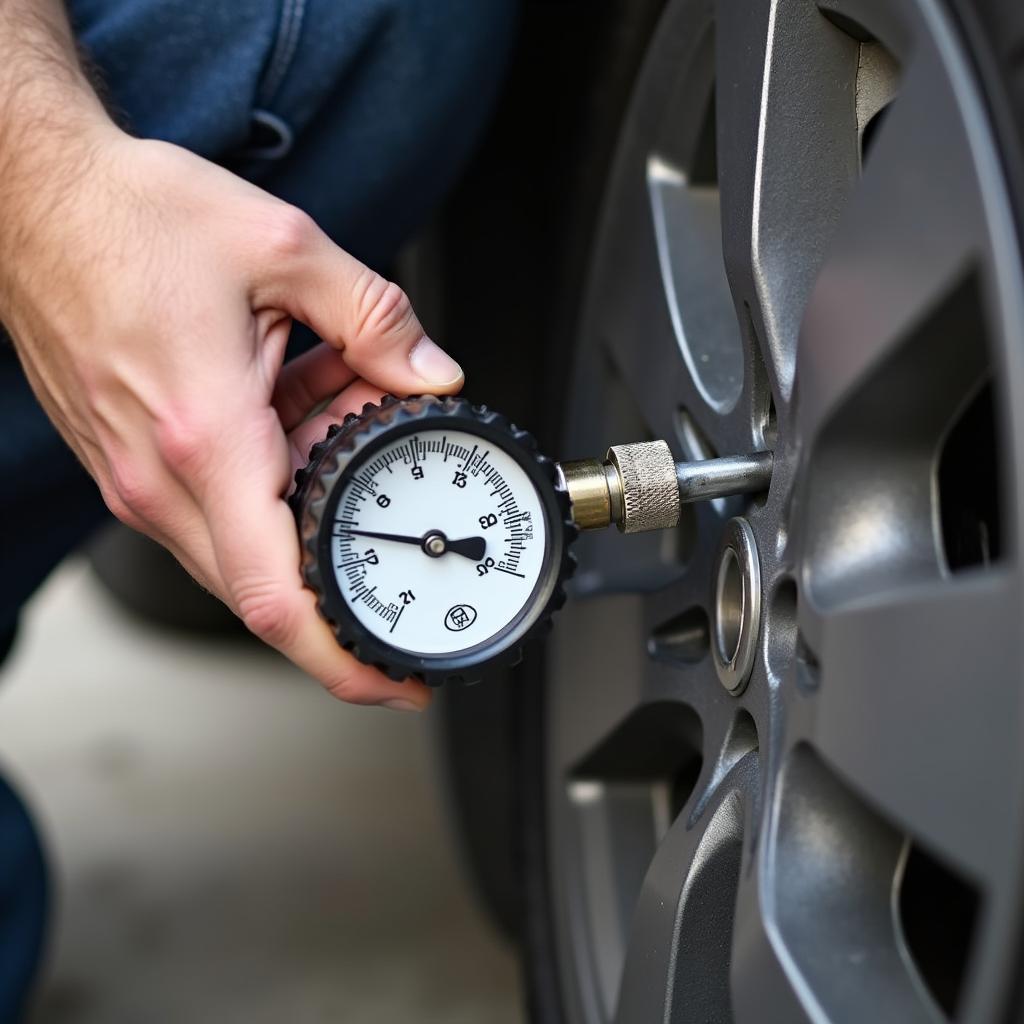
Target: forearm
x=50 y=120
x=42 y=82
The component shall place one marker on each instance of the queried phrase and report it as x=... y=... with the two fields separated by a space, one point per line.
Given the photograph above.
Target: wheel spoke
x=916 y=709
x=676 y=968
x=815 y=936
x=659 y=304
x=908 y=238
x=628 y=749
x=787 y=158
x=630 y=306
x=760 y=989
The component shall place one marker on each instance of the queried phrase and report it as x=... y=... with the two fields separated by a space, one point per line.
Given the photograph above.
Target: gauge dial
x=434 y=535
x=439 y=541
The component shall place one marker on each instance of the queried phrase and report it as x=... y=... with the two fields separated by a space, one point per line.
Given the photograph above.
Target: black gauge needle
x=386 y=536
x=434 y=543
x=471 y=547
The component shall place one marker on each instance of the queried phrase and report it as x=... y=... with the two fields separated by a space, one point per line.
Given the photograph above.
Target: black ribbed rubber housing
x=346 y=447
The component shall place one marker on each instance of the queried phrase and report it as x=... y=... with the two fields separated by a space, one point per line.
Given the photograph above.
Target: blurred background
x=229 y=843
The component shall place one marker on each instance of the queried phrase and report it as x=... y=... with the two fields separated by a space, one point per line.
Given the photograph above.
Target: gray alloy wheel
x=834 y=835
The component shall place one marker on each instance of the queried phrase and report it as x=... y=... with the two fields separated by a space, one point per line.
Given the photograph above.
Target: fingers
x=275 y=328
x=257 y=548
x=307 y=434
x=306 y=381
x=161 y=507
x=352 y=308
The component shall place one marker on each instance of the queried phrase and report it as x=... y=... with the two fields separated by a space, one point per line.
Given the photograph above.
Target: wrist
x=53 y=182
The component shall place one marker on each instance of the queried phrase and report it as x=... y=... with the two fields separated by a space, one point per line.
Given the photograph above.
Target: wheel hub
x=799 y=736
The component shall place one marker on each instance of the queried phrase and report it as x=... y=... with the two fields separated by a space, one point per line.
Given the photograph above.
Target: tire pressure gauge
x=435 y=537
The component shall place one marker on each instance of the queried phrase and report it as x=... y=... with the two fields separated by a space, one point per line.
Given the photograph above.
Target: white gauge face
x=438 y=541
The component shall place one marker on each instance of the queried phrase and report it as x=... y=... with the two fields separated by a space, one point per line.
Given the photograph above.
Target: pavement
x=228 y=843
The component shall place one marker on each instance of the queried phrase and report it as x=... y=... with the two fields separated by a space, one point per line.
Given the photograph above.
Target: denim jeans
x=361 y=112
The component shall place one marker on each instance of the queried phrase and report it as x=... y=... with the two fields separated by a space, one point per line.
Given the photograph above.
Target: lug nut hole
x=737 y=606
x=729 y=606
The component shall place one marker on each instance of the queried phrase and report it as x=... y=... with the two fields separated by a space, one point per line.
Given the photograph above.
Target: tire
x=827 y=264
x=147 y=582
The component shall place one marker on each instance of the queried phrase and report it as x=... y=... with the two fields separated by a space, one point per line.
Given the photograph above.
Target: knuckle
x=383 y=310
x=118 y=509
x=183 y=443
x=344 y=686
x=132 y=498
x=289 y=231
x=265 y=613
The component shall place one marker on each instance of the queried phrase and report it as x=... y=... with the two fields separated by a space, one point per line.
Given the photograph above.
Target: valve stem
x=641 y=487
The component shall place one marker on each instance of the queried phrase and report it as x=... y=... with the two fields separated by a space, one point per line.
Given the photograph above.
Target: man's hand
x=149 y=294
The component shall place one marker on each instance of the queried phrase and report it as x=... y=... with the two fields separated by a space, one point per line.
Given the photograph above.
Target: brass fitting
x=635 y=488
x=641 y=487
x=589 y=493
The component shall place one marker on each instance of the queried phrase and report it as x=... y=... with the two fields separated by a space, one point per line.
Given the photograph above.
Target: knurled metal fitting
x=649 y=488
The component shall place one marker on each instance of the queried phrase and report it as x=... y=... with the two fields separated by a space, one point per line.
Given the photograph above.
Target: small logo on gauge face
x=460 y=617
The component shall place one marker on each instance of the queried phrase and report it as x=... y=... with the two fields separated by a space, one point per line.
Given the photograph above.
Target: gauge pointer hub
x=433 y=543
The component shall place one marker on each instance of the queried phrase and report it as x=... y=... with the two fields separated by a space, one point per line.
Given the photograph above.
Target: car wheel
x=778 y=772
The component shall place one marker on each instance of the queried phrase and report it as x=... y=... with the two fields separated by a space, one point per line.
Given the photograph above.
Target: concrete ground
x=229 y=844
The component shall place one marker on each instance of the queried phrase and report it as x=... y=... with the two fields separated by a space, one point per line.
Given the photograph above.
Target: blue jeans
x=361 y=112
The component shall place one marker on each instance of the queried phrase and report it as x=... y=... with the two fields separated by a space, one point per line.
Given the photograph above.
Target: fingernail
x=401 y=704
x=433 y=364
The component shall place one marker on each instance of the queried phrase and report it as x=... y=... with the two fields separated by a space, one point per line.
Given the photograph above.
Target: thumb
x=357 y=311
